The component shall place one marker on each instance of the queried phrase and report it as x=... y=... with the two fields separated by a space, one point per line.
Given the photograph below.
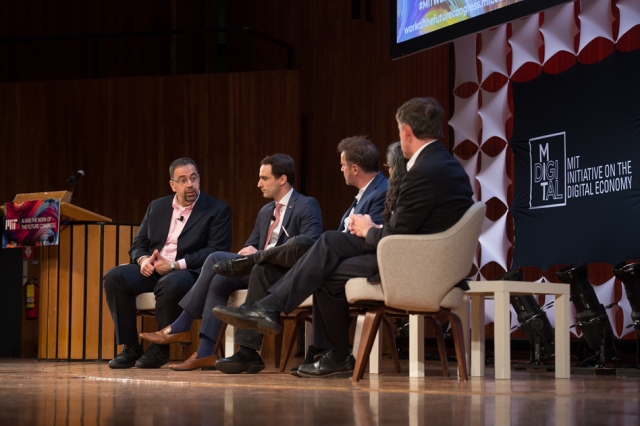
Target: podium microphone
x=74 y=180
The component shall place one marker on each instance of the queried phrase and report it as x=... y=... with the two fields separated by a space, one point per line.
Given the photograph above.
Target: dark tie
x=276 y=220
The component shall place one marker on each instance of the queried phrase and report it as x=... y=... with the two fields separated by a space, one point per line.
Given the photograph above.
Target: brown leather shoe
x=164 y=336
x=193 y=363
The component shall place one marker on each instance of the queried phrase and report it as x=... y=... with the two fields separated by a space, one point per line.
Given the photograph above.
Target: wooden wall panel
x=64 y=293
x=78 y=290
x=124 y=239
x=108 y=56
x=124 y=133
x=124 y=242
x=76 y=323
x=52 y=314
x=348 y=83
x=75 y=58
x=93 y=293
x=107 y=335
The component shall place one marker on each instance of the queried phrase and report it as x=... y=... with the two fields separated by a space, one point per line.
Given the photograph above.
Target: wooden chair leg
x=218 y=346
x=392 y=341
x=186 y=350
x=369 y=331
x=458 y=340
x=277 y=345
x=300 y=318
x=442 y=350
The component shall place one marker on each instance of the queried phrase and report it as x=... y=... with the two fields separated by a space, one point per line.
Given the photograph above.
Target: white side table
x=501 y=291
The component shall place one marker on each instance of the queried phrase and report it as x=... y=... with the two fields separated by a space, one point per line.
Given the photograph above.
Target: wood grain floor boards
x=68 y=393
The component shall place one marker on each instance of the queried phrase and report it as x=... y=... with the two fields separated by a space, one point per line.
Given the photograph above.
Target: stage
x=72 y=393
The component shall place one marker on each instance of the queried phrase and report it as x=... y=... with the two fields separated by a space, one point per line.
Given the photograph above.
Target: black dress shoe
x=128 y=357
x=155 y=357
x=250 y=317
x=326 y=368
x=235 y=268
x=313 y=354
x=240 y=363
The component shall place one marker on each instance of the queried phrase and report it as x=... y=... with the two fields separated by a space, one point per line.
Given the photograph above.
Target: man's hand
x=162 y=264
x=360 y=224
x=246 y=251
x=146 y=266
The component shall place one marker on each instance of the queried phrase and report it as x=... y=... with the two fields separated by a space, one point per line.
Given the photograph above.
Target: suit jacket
x=207 y=230
x=433 y=196
x=302 y=217
x=371 y=202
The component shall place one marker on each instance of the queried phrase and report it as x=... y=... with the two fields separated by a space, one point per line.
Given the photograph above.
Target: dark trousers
x=123 y=283
x=209 y=291
x=270 y=266
x=323 y=271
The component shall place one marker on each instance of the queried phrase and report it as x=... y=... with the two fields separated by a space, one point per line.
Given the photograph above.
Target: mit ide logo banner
x=576 y=146
x=547 y=165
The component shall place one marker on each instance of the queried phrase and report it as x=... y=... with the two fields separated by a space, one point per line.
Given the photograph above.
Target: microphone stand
x=74 y=181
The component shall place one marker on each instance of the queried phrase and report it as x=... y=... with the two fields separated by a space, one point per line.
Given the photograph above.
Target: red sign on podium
x=31 y=223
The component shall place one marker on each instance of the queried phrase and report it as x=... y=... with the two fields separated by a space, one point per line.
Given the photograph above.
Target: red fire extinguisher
x=31 y=293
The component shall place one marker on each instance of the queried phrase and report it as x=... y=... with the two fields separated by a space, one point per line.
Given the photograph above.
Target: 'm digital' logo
x=547 y=160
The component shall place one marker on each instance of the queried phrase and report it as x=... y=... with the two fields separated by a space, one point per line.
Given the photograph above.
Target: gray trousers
x=209 y=291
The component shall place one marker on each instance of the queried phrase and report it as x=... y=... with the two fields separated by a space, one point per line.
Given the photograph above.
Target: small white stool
x=501 y=291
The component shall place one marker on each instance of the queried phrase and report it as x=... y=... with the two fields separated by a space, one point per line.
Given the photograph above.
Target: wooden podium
x=74 y=321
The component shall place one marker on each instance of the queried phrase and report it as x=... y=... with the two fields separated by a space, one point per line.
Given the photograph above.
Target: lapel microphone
x=273 y=218
x=181 y=218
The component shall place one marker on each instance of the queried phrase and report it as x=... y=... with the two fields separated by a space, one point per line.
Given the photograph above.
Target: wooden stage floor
x=89 y=393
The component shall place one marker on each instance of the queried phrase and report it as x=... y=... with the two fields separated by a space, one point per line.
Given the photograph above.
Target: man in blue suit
x=359 y=160
x=292 y=214
x=433 y=195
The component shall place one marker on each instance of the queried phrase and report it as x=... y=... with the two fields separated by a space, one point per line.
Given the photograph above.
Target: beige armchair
x=418 y=277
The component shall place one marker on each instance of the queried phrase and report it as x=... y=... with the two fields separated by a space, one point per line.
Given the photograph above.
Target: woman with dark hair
x=397 y=166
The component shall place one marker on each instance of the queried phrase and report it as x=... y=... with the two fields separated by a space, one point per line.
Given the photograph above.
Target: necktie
x=276 y=220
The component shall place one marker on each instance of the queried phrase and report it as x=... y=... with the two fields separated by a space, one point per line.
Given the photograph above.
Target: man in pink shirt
x=176 y=235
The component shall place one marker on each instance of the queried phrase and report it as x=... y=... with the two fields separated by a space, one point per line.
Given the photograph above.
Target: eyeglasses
x=182 y=181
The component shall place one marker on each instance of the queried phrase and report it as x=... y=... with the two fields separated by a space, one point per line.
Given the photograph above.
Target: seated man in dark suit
x=434 y=194
x=175 y=237
x=359 y=160
x=290 y=215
